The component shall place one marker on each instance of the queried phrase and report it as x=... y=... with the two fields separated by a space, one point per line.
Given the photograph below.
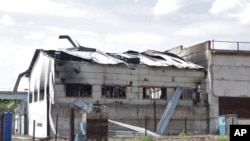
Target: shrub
x=147 y=138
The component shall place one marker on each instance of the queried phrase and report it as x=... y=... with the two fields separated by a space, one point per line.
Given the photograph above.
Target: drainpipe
x=68 y=37
x=18 y=80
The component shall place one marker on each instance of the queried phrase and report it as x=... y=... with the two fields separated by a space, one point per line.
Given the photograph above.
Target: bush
x=147 y=138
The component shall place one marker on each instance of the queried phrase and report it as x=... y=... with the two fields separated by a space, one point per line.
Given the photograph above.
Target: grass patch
x=183 y=133
x=223 y=138
x=147 y=138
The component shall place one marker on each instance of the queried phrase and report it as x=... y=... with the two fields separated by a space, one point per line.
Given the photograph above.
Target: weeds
x=223 y=138
x=147 y=138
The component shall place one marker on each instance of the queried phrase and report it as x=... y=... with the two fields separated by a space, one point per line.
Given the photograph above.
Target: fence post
x=34 y=129
x=72 y=128
x=1 y=126
x=238 y=46
x=145 y=125
x=100 y=131
x=56 y=127
x=185 y=125
x=154 y=115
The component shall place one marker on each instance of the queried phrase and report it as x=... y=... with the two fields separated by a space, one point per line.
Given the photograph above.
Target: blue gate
x=1 y=126
x=5 y=126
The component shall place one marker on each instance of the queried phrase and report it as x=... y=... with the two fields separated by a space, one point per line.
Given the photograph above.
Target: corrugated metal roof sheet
x=97 y=56
x=149 y=57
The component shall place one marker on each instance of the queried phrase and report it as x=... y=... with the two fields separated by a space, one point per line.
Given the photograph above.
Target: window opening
x=114 y=91
x=187 y=93
x=78 y=90
x=154 y=93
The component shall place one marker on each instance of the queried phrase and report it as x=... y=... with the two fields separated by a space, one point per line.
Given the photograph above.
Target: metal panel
x=169 y=111
x=1 y=126
x=97 y=126
x=7 y=126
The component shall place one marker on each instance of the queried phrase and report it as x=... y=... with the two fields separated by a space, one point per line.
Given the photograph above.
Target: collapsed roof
x=149 y=57
x=80 y=53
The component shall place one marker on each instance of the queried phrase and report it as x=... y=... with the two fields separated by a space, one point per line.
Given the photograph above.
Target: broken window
x=78 y=90
x=41 y=97
x=30 y=97
x=187 y=93
x=42 y=93
x=154 y=93
x=35 y=96
x=114 y=91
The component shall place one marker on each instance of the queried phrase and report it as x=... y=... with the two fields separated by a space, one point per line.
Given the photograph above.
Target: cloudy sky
x=112 y=26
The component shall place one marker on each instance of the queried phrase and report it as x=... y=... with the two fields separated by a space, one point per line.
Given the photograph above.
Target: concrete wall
x=201 y=55
x=227 y=74
x=133 y=108
x=231 y=75
x=196 y=117
x=198 y=54
x=37 y=107
x=134 y=79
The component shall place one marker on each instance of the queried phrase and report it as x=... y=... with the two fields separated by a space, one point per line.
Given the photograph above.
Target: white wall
x=41 y=78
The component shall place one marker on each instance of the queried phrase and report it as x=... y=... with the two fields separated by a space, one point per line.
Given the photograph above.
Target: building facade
x=126 y=84
x=227 y=81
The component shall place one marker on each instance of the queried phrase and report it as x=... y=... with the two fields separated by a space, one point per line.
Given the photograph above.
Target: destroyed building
x=227 y=66
x=130 y=85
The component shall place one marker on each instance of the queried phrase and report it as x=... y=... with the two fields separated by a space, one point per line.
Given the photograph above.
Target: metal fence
x=231 y=45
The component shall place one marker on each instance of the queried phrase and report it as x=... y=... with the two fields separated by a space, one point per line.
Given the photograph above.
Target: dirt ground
x=165 y=138
x=172 y=138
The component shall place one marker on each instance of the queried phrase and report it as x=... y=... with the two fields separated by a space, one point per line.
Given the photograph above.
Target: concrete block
x=143 y=71
x=191 y=85
x=92 y=68
x=91 y=81
x=131 y=95
x=96 y=88
x=187 y=79
x=195 y=73
x=174 y=72
x=65 y=67
x=112 y=76
x=116 y=69
x=116 y=82
x=128 y=77
x=238 y=60
x=60 y=90
x=73 y=80
x=233 y=73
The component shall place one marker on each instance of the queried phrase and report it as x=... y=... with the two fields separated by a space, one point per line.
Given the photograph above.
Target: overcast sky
x=112 y=26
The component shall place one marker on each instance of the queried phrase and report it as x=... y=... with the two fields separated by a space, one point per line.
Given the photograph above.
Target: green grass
x=8 y=105
x=183 y=133
x=223 y=138
x=147 y=138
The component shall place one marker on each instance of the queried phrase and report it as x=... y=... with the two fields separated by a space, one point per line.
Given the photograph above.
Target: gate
x=5 y=126
x=1 y=126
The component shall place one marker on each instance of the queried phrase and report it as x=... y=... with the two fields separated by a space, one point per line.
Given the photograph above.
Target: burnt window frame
x=105 y=88
x=78 y=90
x=188 y=93
x=41 y=95
x=30 y=97
x=163 y=95
x=35 y=94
